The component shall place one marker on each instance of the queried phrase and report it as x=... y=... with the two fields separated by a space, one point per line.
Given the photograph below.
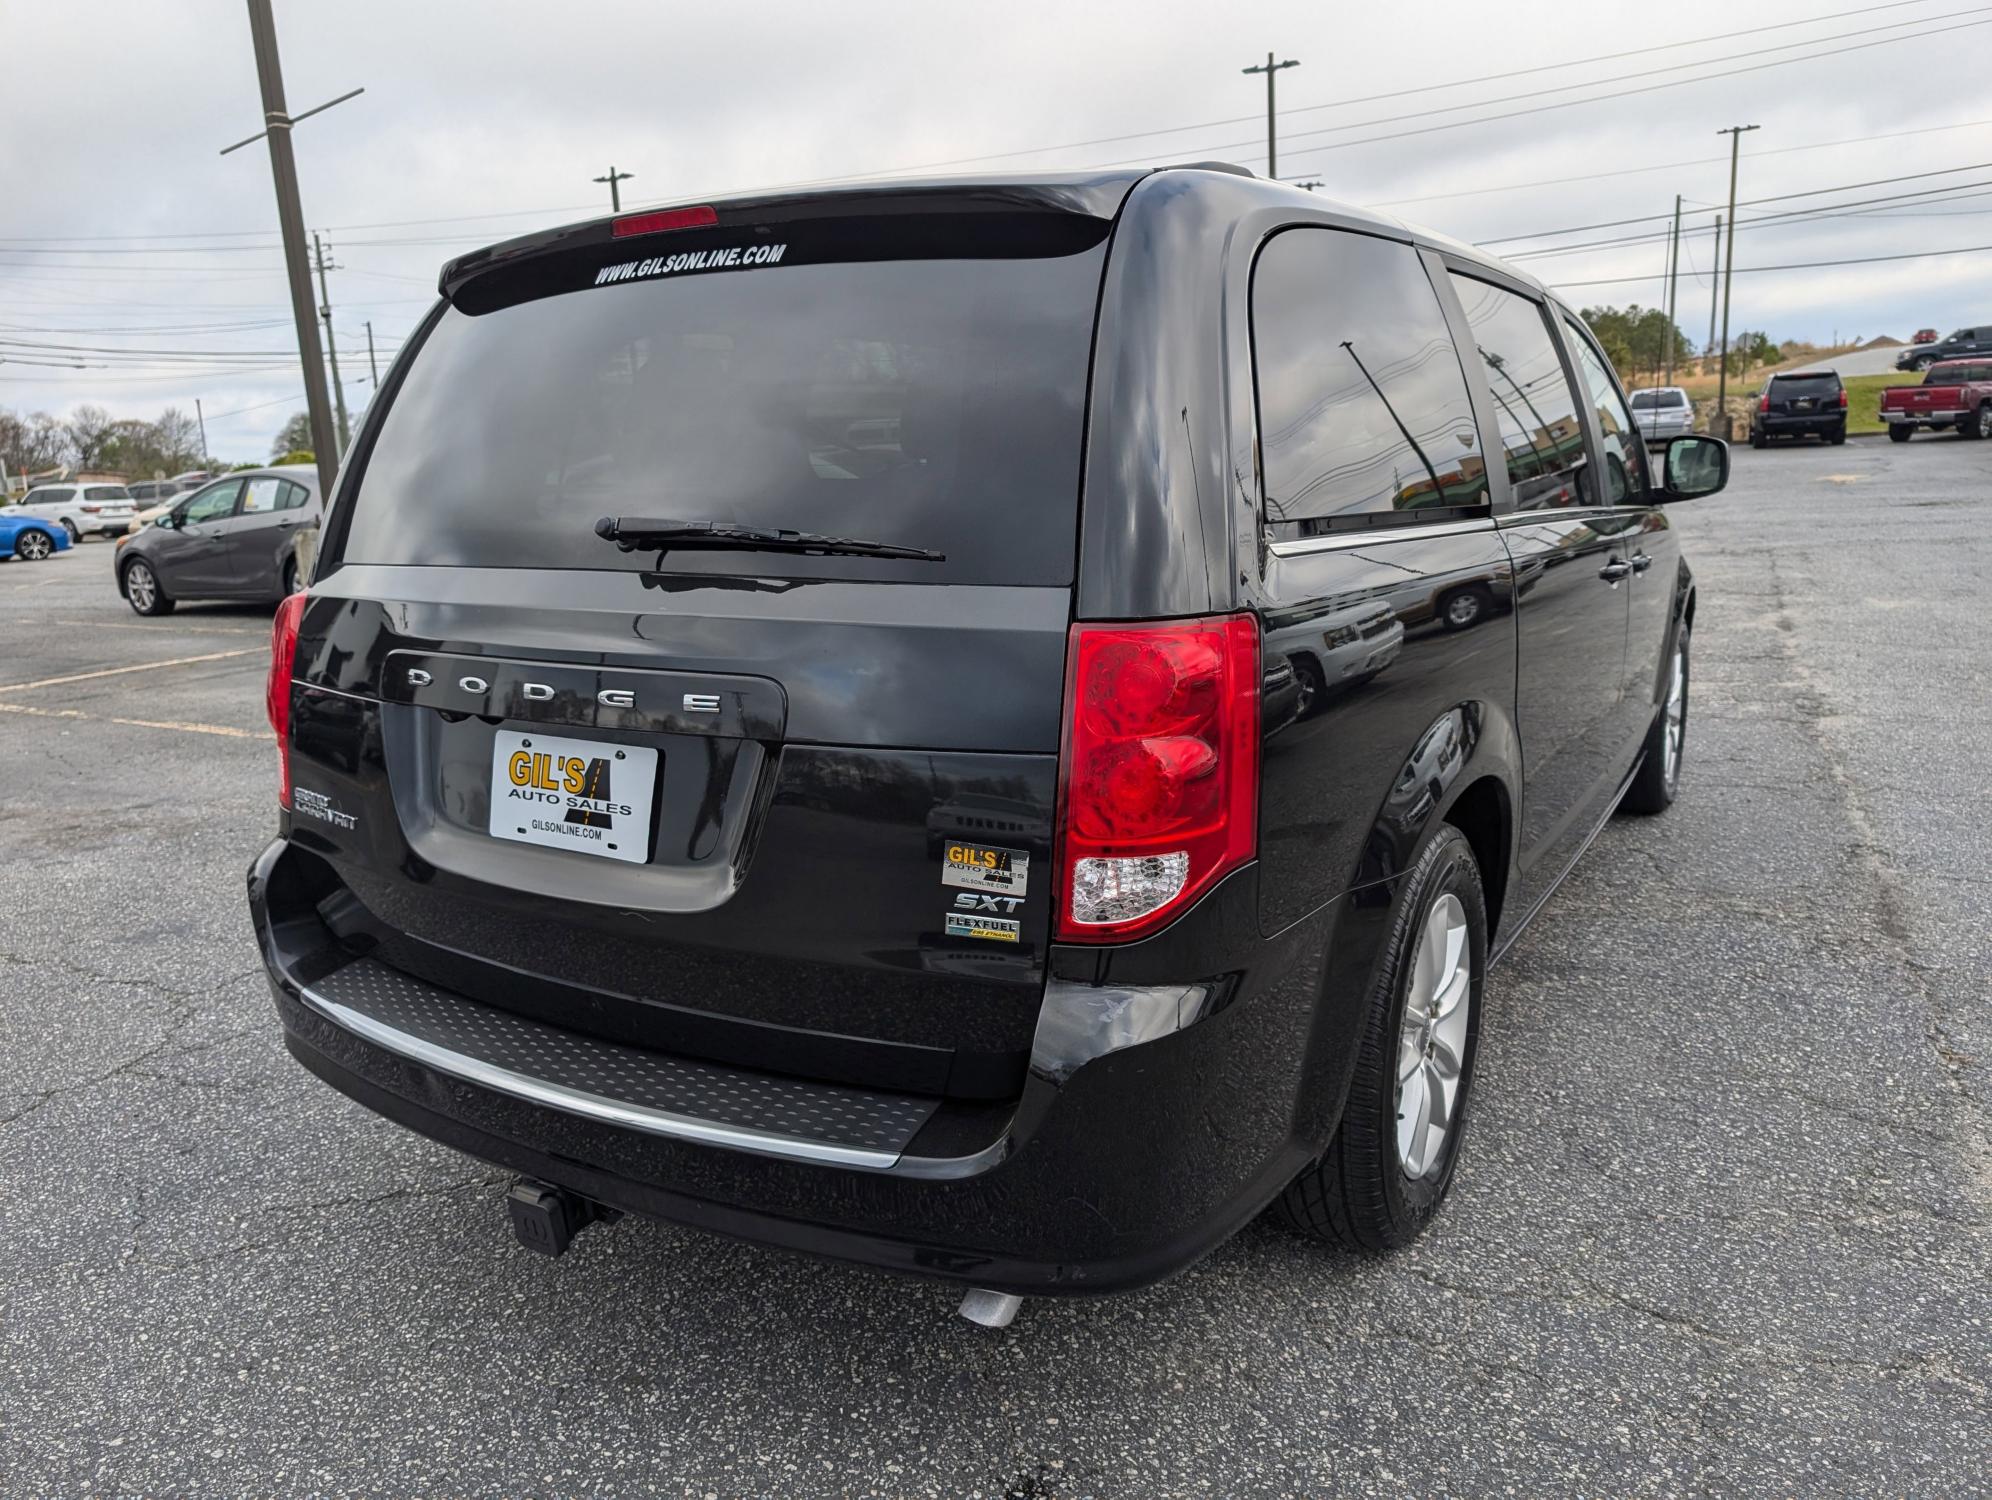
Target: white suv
x=83 y=509
x=1663 y=412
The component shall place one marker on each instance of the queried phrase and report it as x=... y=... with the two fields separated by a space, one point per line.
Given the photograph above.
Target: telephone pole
x=1673 y=287
x=1735 y=134
x=331 y=347
x=1270 y=69
x=615 y=194
x=1714 y=283
x=372 y=368
x=277 y=123
x=201 y=417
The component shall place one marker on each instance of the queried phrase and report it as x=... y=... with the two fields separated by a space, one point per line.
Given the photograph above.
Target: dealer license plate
x=583 y=795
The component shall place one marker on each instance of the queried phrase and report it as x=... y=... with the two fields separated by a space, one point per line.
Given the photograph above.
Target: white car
x=83 y=509
x=1662 y=412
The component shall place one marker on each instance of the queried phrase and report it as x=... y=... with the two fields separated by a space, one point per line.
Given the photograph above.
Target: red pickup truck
x=1956 y=393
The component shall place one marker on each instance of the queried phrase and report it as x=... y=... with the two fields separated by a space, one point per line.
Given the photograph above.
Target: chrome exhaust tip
x=990 y=1309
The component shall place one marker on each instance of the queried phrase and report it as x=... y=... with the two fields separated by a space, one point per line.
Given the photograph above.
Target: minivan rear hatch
x=583 y=731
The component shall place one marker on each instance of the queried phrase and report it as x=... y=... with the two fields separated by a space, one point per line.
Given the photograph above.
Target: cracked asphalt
x=1721 y=1224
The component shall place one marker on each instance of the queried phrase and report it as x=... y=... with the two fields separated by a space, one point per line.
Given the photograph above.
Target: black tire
x=75 y=536
x=1900 y=432
x=1464 y=608
x=1979 y=423
x=1658 y=781
x=1756 y=438
x=155 y=599
x=1313 y=687
x=34 y=545
x=1357 y=1193
x=1837 y=436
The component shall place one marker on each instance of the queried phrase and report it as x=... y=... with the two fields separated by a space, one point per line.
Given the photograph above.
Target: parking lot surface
x=1721 y=1223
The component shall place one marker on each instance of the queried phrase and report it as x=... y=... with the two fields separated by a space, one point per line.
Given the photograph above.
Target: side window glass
x=214 y=503
x=261 y=495
x=296 y=496
x=1363 y=408
x=1624 y=453
x=1540 y=433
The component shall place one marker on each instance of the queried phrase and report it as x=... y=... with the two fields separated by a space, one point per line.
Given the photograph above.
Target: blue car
x=30 y=538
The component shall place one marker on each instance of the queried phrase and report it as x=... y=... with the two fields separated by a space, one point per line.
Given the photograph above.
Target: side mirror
x=166 y=521
x=1695 y=466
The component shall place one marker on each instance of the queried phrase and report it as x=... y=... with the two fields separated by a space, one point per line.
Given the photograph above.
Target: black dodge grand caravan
x=993 y=729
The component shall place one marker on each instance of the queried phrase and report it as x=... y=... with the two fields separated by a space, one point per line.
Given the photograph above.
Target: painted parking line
x=76 y=713
x=146 y=666
x=176 y=628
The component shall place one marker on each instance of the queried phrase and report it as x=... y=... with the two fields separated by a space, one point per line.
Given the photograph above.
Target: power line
x=1803 y=265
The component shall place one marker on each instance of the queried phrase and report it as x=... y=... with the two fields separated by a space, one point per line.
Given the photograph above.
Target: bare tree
x=90 y=428
x=293 y=437
x=32 y=443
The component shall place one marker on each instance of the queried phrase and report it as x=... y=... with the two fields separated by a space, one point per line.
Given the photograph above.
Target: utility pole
x=1270 y=68
x=1735 y=134
x=1673 y=287
x=277 y=122
x=372 y=367
x=615 y=194
x=331 y=345
x=201 y=417
x=1310 y=185
x=1714 y=283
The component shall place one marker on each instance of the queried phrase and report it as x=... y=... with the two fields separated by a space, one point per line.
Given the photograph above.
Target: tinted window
x=1658 y=400
x=106 y=492
x=1363 y=408
x=1804 y=385
x=212 y=503
x=1624 y=453
x=294 y=496
x=1540 y=433
x=925 y=403
x=49 y=497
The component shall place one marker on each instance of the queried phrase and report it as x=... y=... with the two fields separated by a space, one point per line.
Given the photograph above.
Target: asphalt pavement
x=1721 y=1223
x=1858 y=362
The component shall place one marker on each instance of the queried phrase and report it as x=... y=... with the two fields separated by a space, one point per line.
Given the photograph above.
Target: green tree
x=293 y=437
x=1639 y=341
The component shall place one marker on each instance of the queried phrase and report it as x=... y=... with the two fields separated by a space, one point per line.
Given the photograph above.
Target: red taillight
x=277 y=694
x=701 y=217
x=1843 y=400
x=1159 y=789
x=1764 y=402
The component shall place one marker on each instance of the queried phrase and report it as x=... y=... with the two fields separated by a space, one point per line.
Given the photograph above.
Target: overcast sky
x=123 y=229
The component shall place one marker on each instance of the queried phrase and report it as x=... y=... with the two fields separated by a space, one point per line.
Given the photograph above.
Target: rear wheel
x=290 y=578
x=142 y=590
x=1756 y=438
x=1391 y=1161
x=1900 y=432
x=1979 y=423
x=33 y=546
x=1838 y=435
x=1463 y=607
x=1658 y=780
x=70 y=527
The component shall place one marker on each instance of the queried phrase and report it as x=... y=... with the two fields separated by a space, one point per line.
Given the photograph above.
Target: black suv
x=1810 y=403
x=860 y=720
x=1973 y=340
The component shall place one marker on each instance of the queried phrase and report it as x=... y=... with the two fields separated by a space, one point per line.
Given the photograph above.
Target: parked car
x=920 y=861
x=1924 y=336
x=30 y=538
x=1806 y=403
x=1973 y=340
x=149 y=492
x=1663 y=413
x=233 y=539
x=1957 y=393
x=80 y=509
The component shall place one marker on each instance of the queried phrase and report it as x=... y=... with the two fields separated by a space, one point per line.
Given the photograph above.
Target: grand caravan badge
x=582 y=795
x=982 y=867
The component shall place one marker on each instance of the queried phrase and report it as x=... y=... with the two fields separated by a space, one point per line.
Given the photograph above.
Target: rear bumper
x=1924 y=418
x=1772 y=425
x=1105 y=1175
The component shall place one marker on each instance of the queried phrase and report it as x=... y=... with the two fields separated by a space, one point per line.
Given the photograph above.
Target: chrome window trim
x=591 y=1106
x=1339 y=541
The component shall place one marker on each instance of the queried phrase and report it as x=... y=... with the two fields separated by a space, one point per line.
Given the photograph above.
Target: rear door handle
x=1641 y=562
x=1616 y=569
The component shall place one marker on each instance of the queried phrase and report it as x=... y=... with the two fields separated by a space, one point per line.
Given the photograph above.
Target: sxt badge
x=978 y=867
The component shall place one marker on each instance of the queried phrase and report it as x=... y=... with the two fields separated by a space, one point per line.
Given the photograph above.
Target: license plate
x=1802 y=406
x=583 y=795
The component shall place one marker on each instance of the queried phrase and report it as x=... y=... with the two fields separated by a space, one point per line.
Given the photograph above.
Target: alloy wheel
x=1463 y=610
x=1985 y=421
x=33 y=546
x=1677 y=717
x=1431 y=1041
x=141 y=587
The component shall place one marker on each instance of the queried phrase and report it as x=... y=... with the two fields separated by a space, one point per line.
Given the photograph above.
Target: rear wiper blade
x=639 y=534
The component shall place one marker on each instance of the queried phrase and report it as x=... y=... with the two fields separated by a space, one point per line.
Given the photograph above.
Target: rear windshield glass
x=1658 y=400
x=1957 y=374
x=922 y=403
x=1803 y=385
x=106 y=492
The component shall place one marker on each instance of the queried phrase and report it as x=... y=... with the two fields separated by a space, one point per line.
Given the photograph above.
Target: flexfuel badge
x=979 y=867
